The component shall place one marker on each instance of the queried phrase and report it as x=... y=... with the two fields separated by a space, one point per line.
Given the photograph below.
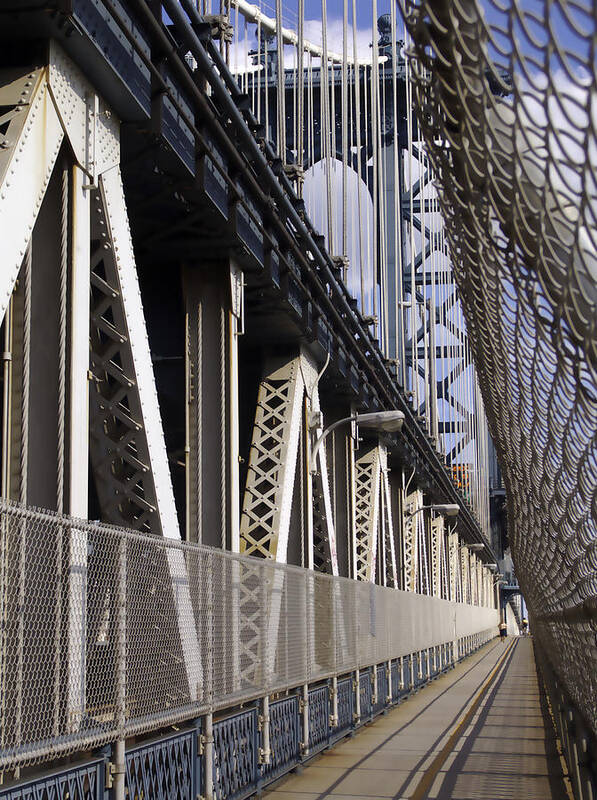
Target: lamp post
x=385 y=421
x=447 y=509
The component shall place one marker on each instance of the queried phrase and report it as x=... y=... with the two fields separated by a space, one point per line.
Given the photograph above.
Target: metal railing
x=515 y=166
x=108 y=633
x=252 y=746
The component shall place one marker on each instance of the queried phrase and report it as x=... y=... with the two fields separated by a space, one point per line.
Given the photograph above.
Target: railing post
x=357 y=701
x=335 y=701
x=266 y=732
x=375 y=686
x=389 y=682
x=119 y=753
x=305 y=719
x=209 y=756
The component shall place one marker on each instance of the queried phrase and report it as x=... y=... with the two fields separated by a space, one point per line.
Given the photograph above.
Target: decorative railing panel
x=365 y=694
x=395 y=680
x=285 y=737
x=345 y=707
x=236 y=754
x=381 y=699
x=81 y=782
x=319 y=718
x=167 y=769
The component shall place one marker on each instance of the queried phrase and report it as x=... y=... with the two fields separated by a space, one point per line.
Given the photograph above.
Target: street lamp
x=476 y=547
x=447 y=509
x=386 y=421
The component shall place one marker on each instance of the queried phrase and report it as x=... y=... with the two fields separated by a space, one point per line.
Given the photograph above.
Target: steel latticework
x=510 y=130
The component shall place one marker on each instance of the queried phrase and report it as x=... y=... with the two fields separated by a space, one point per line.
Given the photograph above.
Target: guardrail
x=110 y=634
x=578 y=742
x=244 y=757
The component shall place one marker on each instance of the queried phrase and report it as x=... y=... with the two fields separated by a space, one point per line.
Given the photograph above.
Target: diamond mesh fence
x=108 y=633
x=506 y=94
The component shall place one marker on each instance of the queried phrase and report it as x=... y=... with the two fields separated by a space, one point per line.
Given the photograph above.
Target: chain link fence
x=506 y=98
x=108 y=633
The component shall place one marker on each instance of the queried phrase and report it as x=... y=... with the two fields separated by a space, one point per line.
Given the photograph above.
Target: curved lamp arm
x=321 y=439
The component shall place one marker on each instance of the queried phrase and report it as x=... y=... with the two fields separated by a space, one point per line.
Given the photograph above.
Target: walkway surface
x=481 y=732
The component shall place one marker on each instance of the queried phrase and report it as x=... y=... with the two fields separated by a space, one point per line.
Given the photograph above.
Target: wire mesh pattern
x=126 y=633
x=285 y=737
x=83 y=782
x=505 y=94
x=319 y=717
x=235 y=755
x=164 y=770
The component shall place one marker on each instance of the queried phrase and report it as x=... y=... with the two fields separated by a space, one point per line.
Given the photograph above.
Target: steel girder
x=367 y=485
x=28 y=151
x=455 y=583
x=265 y=518
x=390 y=573
x=410 y=537
x=437 y=557
x=287 y=400
x=287 y=394
x=126 y=443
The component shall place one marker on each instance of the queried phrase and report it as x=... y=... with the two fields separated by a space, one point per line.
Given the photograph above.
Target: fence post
x=209 y=756
x=305 y=719
x=266 y=731
x=334 y=702
x=119 y=754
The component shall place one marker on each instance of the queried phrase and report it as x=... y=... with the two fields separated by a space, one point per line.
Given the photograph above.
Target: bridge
x=299 y=399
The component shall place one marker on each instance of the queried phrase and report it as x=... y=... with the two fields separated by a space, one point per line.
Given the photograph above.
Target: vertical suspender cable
x=280 y=84
x=357 y=113
x=223 y=430
x=397 y=210
x=326 y=122
x=413 y=308
x=260 y=70
x=344 y=128
x=374 y=147
x=300 y=144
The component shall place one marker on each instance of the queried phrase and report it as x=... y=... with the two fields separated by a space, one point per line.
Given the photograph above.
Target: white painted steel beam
x=366 y=500
x=265 y=519
x=78 y=446
x=28 y=152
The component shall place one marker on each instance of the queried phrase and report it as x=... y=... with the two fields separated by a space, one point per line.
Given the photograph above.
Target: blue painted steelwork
x=408 y=678
x=132 y=75
x=285 y=737
x=345 y=708
x=166 y=769
x=319 y=718
x=424 y=656
x=395 y=680
x=382 y=689
x=81 y=782
x=366 y=694
x=236 y=753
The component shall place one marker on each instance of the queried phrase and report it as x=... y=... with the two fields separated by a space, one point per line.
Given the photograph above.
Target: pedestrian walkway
x=481 y=732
